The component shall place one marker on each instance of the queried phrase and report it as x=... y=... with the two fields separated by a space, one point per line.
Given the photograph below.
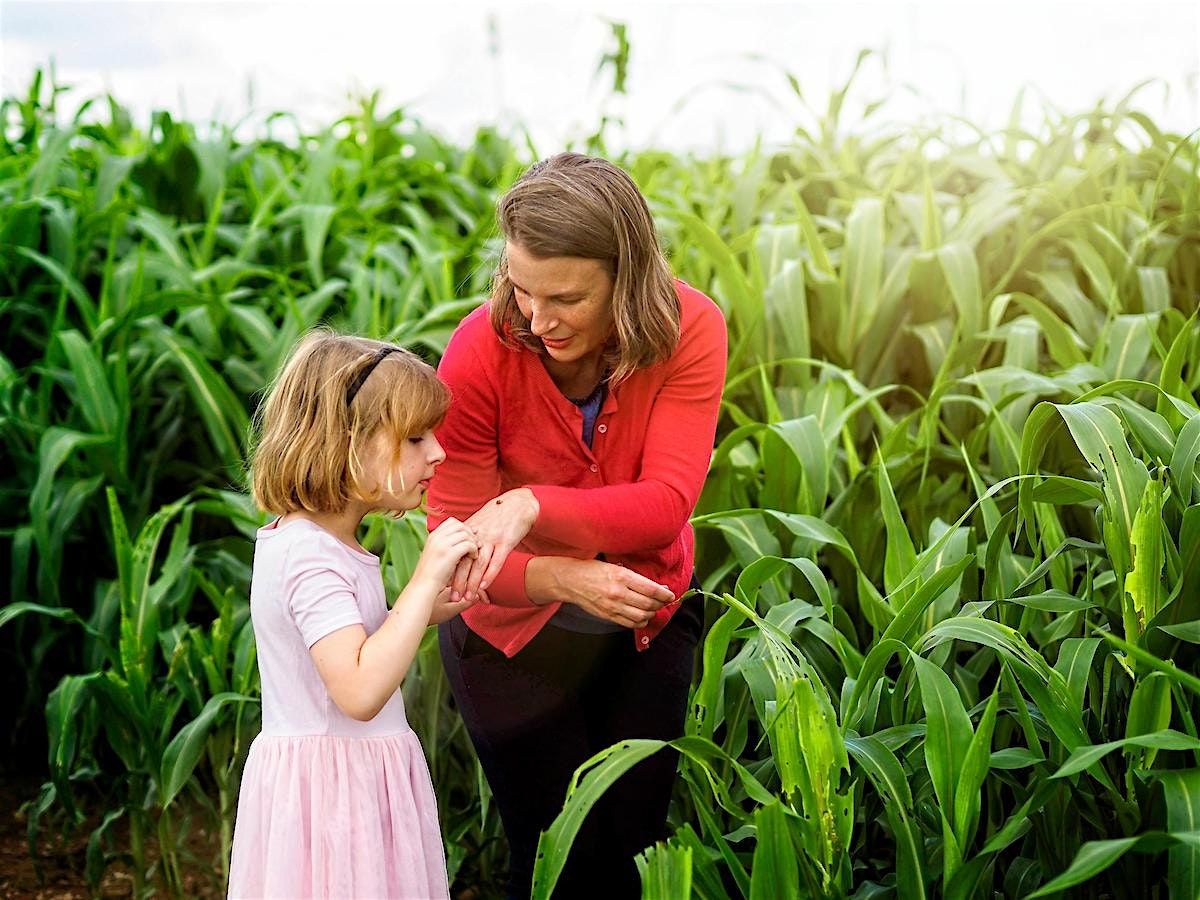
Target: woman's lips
x=556 y=344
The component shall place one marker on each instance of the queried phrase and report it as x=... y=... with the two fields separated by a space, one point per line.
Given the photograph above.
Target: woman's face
x=567 y=300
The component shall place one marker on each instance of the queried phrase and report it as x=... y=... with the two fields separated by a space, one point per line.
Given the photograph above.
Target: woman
x=585 y=402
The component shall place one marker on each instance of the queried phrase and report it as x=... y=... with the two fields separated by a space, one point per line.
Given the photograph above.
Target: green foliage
x=953 y=506
x=150 y=285
x=950 y=539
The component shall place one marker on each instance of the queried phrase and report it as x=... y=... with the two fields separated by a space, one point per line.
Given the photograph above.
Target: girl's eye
x=416 y=439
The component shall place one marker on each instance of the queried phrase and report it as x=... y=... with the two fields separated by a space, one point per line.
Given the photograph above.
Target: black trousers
x=564 y=697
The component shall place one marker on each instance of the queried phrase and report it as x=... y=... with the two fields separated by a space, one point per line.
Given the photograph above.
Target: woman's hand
x=603 y=589
x=498 y=526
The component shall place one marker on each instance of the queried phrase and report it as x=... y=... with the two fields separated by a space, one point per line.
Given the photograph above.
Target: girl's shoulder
x=302 y=540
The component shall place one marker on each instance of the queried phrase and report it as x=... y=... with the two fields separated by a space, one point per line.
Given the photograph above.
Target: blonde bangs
x=310 y=441
x=420 y=407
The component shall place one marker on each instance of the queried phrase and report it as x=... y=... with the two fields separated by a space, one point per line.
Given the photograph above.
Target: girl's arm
x=362 y=672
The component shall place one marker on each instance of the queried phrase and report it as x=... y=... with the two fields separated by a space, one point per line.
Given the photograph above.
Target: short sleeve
x=320 y=598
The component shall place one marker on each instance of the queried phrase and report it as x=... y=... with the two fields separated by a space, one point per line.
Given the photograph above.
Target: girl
x=336 y=799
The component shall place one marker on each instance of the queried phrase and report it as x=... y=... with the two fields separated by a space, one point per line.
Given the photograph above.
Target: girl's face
x=401 y=481
x=567 y=300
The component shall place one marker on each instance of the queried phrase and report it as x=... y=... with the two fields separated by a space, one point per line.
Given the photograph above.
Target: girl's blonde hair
x=582 y=206
x=311 y=428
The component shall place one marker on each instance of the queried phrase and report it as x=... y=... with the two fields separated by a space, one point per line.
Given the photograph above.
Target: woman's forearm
x=615 y=518
x=544 y=578
x=602 y=589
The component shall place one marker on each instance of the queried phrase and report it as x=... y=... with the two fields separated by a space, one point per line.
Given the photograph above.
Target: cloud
x=537 y=66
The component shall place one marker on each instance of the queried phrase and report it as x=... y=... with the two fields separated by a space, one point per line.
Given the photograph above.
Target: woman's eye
x=417 y=439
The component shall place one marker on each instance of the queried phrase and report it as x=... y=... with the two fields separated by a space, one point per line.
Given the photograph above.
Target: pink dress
x=329 y=806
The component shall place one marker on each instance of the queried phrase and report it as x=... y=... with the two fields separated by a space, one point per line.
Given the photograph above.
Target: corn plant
x=957 y=485
x=152 y=665
x=948 y=541
x=152 y=282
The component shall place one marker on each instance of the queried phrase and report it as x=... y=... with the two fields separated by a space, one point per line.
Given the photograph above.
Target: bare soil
x=56 y=872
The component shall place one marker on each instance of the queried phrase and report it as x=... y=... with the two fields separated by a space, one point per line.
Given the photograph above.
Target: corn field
x=949 y=541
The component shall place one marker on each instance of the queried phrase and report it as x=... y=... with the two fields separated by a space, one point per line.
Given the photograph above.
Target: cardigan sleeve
x=651 y=511
x=469 y=476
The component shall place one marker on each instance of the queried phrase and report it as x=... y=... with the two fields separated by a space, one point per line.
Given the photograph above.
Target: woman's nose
x=539 y=320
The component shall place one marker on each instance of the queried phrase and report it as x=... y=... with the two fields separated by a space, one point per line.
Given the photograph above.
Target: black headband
x=361 y=377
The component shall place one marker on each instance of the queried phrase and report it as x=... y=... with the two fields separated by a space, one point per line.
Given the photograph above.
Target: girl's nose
x=436 y=454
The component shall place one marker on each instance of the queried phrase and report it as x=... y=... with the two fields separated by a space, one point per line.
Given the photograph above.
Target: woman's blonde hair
x=575 y=205
x=313 y=424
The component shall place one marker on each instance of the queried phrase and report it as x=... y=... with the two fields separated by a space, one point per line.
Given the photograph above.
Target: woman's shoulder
x=699 y=313
x=475 y=331
x=472 y=343
x=476 y=320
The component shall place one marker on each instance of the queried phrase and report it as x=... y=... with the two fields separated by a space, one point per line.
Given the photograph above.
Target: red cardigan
x=629 y=497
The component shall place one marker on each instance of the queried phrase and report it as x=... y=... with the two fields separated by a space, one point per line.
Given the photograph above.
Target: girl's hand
x=499 y=526
x=446 y=546
x=445 y=609
x=611 y=592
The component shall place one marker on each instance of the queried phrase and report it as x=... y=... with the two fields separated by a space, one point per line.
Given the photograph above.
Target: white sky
x=702 y=76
